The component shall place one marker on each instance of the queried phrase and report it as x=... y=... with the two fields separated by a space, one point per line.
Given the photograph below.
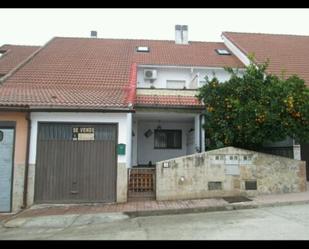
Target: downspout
x=25 y=195
x=130 y=101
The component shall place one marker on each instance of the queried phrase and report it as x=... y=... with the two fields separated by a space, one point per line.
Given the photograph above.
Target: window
x=251 y=185
x=223 y=52
x=167 y=139
x=144 y=49
x=2 y=52
x=202 y=82
x=175 y=84
x=214 y=185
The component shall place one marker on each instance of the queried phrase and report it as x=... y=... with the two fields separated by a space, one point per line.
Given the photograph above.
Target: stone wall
x=226 y=172
x=18 y=187
x=122 y=182
x=30 y=190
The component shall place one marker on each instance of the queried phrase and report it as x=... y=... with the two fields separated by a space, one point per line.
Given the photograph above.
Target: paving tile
x=151 y=205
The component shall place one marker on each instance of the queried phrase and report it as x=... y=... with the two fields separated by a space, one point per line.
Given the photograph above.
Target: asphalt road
x=271 y=223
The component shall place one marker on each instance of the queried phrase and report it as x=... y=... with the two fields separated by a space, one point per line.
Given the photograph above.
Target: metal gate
x=304 y=148
x=76 y=163
x=141 y=184
x=6 y=168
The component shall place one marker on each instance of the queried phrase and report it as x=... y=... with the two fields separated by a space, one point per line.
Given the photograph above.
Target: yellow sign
x=85 y=136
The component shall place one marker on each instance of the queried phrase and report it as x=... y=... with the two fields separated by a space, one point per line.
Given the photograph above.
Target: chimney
x=181 y=34
x=178 y=36
x=93 y=34
x=184 y=34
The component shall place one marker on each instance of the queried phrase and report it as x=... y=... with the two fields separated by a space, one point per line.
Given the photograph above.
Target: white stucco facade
x=143 y=150
x=145 y=145
x=193 y=77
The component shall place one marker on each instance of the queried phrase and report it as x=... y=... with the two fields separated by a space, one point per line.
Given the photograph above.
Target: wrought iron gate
x=141 y=184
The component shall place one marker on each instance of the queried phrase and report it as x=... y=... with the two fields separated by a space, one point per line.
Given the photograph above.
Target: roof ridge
x=261 y=33
x=134 y=39
x=16 y=45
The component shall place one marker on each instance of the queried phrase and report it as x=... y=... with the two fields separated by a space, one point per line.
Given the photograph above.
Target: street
x=271 y=223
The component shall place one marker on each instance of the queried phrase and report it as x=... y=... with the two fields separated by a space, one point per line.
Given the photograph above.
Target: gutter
x=180 y=107
x=80 y=110
x=25 y=194
x=61 y=109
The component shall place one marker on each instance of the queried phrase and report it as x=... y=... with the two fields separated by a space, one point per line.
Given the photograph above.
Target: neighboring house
x=287 y=54
x=12 y=55
x=98 y=107
x=13 y=133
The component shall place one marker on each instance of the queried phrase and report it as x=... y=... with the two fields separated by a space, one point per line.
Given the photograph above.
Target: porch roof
x=168 y=101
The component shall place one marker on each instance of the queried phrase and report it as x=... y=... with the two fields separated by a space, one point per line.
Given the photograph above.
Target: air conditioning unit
x=150 y=74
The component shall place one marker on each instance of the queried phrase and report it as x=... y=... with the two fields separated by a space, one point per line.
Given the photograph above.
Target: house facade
x=77 y=113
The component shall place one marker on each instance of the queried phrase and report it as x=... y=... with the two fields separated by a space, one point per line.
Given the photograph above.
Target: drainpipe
x=27 y=162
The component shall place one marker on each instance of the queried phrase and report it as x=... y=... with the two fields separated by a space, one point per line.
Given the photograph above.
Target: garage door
x=6 y=168
x=76 y=163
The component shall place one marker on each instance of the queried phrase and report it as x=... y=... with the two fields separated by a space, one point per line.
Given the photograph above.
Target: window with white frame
x=175 y=84
x=143 y=49
x=1 y=53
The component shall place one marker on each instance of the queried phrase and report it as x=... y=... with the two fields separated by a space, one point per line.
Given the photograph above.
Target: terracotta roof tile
x=14 y=54
x=286 y=52
x=98 y=72
x=166 y=100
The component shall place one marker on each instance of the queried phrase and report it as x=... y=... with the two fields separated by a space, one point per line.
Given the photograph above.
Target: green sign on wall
x=121 y=149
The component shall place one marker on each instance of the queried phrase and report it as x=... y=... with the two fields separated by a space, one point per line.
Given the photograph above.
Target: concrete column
x=33 y=140
x=296 y=151
x=197 y=133
x=203 y=133
x=129 y=141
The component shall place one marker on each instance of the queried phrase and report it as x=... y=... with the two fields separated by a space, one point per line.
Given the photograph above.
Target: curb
x=228 y=207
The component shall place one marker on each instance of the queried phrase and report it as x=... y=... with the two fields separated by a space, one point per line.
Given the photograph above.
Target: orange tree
x=253 y=108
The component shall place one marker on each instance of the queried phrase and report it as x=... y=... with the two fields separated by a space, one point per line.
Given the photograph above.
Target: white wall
x=190 y=143
x=122 y=119
x=145 y=146
x=181 y=73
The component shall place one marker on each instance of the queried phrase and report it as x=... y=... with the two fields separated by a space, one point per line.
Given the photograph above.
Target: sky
x=38 y=26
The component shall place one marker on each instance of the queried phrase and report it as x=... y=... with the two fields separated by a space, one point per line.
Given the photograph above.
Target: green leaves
x=249 y=110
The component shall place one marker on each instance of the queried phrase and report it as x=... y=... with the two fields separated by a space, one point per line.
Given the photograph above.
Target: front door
x=6 y=168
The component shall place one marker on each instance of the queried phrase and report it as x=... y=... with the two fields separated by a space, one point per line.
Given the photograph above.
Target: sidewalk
x=147 y=208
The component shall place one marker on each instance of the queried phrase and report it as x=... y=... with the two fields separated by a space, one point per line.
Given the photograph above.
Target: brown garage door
x=76 y=163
